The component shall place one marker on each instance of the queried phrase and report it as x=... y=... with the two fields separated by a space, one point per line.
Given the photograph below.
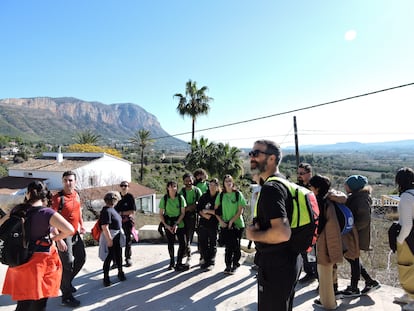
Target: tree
x=141 y=138
x=216 y=159
x=195 y=102
x=87 y=137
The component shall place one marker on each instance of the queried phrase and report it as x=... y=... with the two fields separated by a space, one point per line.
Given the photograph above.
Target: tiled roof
x=98 y=193
x=50 y=165
x=9 y=185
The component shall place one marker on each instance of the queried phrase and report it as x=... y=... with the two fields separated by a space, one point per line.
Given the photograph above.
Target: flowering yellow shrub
x=93 y=148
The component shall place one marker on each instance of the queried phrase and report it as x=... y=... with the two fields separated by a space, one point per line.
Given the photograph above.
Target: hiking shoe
x=409 y=307
x=121 y=276
x=181 y=267
x=350 y=292
x=369 y=287
x=70 y=302
x=318 y=303
x=308 y=278
x=227 y=271
x=128 y=263
x=106 y=282
x=404 y=299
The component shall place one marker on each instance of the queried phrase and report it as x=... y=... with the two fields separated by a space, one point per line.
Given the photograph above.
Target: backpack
x=96 y=231
x=15 y=247
x=345 y=217
x=303 y=218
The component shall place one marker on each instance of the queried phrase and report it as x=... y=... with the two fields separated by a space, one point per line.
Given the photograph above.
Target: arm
x=405 y=219
x=107 y=235
x=337 y=196
x=278 y=232
x=61 y=229
x=236 y=216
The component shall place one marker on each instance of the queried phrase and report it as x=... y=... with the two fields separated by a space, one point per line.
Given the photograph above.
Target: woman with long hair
x=43 y=272
x=229 y=208
x=172 y=211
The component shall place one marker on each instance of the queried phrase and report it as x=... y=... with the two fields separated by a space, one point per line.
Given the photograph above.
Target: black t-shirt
x=127 y=203
x=273 y=202
x=206 y=201
x=109 y=216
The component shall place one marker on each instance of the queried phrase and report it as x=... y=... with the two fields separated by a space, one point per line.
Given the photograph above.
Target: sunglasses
x=123 y=186
x=255 y=153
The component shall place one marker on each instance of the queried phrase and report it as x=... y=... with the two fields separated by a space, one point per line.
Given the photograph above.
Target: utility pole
x=296 y=141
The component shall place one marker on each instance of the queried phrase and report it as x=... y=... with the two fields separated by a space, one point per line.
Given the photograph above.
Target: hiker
x=200 y=176
x=32 y=283
x=329 y=243
x=126 y=207
x=71 y=249
x=405 y=239
x=112 y=237
x=309 y=258
x=191 y=195
x=208 y=224
x=359 y=202
x=172 y=211
x=229 y=208
x=271 y=233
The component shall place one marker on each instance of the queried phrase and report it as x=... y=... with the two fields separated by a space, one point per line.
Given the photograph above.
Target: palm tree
x=195 y=102
x=142 y=139
x=87 y=137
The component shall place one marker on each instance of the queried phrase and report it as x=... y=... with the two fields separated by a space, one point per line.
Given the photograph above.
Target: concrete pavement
x=150 y=286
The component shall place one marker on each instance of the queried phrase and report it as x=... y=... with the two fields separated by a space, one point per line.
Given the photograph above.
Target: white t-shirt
x=406 y=214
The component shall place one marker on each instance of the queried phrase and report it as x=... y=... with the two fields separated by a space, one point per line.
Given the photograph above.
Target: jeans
x=72 y=261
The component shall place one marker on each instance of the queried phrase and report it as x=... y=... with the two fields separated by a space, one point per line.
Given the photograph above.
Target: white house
x=92 y=169
x=96 y=172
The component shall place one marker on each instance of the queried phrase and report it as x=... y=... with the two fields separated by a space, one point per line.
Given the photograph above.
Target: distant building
x=94 y=171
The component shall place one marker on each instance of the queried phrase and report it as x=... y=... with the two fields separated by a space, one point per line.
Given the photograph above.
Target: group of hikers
x=215 y=211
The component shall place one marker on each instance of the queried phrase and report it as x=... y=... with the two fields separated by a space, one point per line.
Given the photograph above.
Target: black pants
x=207 y=240
x=232 y=252
x=32 y=305
x=114 y=254
x=356 y=271
x=180 y=233
x=189 y=225
x=72 y=261
x=278 y=274
x=127 y=224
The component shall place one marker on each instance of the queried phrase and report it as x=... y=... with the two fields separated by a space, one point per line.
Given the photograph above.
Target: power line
x=291 y=111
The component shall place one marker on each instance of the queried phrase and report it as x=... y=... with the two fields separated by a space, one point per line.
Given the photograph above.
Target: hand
x=82 y=230
x=61 y=245
x=110 y=243
x=250 y=230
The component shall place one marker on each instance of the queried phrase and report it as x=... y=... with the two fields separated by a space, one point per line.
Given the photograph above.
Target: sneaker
x=350 y=292
x=409 y=307
x=128 y=263
x=227 y=271
x=308 y=278
x=70 y=302
x=181 y=267
x=369 y=287
x=234 y=268
x=404 y=299
x=121 y=276
x=318 y=303
x=106 y=282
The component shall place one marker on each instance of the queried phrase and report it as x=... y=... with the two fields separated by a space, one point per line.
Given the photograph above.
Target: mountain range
x=59 y=120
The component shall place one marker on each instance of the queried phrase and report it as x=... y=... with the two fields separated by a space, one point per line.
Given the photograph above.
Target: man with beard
x=279 y=266
x=309 y=259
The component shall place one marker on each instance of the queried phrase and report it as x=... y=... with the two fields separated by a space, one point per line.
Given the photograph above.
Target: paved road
x=149 y=286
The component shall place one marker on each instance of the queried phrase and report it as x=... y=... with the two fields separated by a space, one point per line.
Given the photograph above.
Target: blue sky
x=258 y=58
